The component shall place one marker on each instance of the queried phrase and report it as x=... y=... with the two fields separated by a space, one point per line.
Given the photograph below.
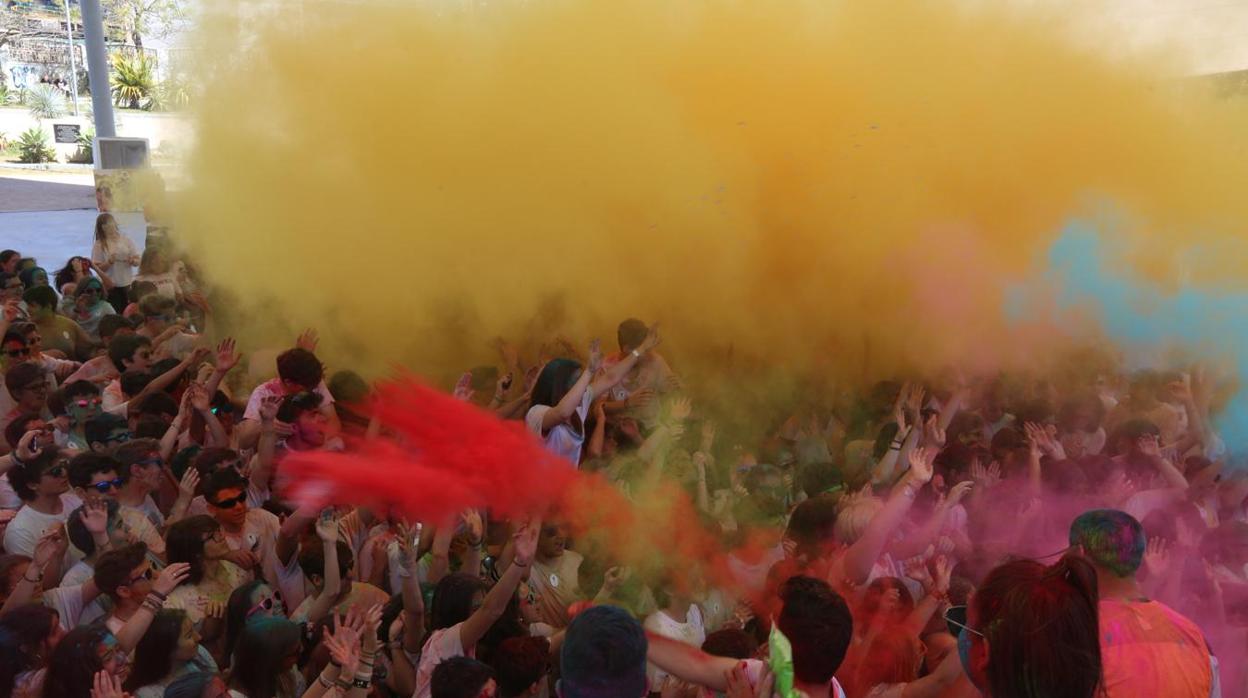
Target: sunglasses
x=107 y=485
x=119 y=438
x=231 y=502
x=14 y=353
x=266 y=604
x=147 y=574
x=955 y=621
x=90 y=403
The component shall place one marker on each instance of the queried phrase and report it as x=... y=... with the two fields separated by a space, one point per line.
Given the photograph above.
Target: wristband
x=361 y=683
x=334 y=663
x=343 y=684
x=158 y=595
x=324 y=682
x=17 y=461
x=36 y=580
x=404 y=572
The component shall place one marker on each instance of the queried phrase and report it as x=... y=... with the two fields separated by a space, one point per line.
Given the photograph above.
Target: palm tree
x=133 y=80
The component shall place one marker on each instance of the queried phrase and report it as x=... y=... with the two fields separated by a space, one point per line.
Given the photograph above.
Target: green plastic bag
x=781 y=661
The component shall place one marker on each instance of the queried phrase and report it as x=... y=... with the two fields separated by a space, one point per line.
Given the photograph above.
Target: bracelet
x=324 y=681
x=343 y=684
x=158 y=595
x=335 y=664
x=17 y=461
x=636 y=354
x=36 y=580
x=361 y=683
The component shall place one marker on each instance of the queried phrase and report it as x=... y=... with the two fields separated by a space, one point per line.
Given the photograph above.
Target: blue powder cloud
x=1136 y=313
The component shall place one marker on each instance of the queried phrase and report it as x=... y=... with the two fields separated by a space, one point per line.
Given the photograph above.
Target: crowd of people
x=1073 y=534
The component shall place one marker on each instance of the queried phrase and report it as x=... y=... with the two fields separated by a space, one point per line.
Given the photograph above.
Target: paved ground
x=49 y=215
x=45 y=193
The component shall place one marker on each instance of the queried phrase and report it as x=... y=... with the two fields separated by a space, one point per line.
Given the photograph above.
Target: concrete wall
x=157 y=128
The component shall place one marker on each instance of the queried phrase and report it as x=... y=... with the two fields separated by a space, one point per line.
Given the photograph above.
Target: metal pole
x=97 y=69
x=73 y=67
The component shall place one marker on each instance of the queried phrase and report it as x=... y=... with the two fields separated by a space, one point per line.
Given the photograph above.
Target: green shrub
x=84 y=155
x=133 y=80
x=45 y=102
x=33 y=147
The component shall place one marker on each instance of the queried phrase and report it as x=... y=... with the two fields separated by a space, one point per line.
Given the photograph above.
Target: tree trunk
x=138 y=40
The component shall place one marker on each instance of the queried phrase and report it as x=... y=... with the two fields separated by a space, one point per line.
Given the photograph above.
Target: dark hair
x=41 y=296
x=27 y=277
x=23 y=631
x=869 y=607
x=184 y=542
x=153 y=656
x=22 y=376
x=150 y=427
x=8 y=564
x=65 y=275
x=17 y=428
x=312 y=559
x=520 y=662
x=236 y=613
x=23 y=477
x=1041 y=627
x=811 y=524
x=133 y=382
x=131 y=452
x=295 y=406
x=123 y=347
x=113 y=569
x=77 y=530
x=818 y=624
x=734 y=643
x=1110 y=539
x=86 y=464
x=109 y=324
x=166 y=365
x=556 y=378
x=301 y=367
x=79 y=388
x=6 y=275
x=74 y=662
x=98 y=428
x=207 y=460
x=348 y=386
x=459 y=677
x=7 y=255
x=452 y=599
x=262 y=646
x=159 y=404
x=603 y=655
x=227 y=479
x=631 y=333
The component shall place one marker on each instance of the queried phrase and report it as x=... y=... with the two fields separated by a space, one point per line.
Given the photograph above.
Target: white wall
x=157 y=128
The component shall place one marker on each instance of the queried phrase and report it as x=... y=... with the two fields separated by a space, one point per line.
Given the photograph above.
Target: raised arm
x=862 y=555
x=616 y=373
x=135 y=628
x=227 y=359
x=413 y=601
x=688 y=663
x=327 y=531
x=262 y=471
x=496 y=600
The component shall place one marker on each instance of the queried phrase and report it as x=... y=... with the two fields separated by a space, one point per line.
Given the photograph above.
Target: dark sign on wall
x=66 y=133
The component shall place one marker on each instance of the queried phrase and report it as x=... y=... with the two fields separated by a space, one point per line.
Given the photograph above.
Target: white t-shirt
x=77 y=576
x=273 y=388
x=754 y=671
x=691 y=632
x=118 y=253
x=562 y=439
x=25 y=528
x=149 y=509
x=8 y=495
x=441 y=646
x=113 y=400
x=67 y=602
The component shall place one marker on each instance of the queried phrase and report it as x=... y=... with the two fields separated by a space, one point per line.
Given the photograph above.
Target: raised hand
x=370 y=618
x=739 y=683
x=958 y=492
x=615 y=577
x=641 y=398
x=708 y=435
x=921 y=460
x=933 y=435
x=681 y=408
x=94 y=516
x=474 y=526
x=28 y=447
x=1149 y=445
x=170 y=577
x=595 y=356
x=916 y=569
x=526 y=542
x=227 y=356
x=327 y=526
x=504 y=384
x=105 y=685
x=50 y=545
x=1157 y=557
x=199 y=397
x=344 y=646
x=269 y=407
x=308 y=340
x=463 y=387
x=943 y=576
x=652 y=339
x=189 y=483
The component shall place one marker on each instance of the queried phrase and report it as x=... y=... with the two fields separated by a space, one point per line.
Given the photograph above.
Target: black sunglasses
x=147 y=574
x=104 y=487
x=231 y=502
x=14 y=353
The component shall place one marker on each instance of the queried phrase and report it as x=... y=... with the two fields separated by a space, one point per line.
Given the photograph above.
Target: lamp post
x=73 y=66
